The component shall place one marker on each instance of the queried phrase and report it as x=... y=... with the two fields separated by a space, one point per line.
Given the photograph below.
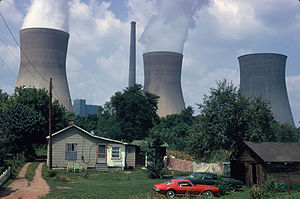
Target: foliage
x=227 y=119
x=176 y=129
x=30 y=173
x=285 y=132
x=134 y=112
x=88 y=122
x=24 y=119
x=51 y=173
x=180 y=155
x=21 y=127
x=156 y=167
x=256 y=192
x=270 y=186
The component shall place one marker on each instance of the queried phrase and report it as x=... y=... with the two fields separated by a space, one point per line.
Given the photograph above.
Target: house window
x=115 y=152
x=71 y=151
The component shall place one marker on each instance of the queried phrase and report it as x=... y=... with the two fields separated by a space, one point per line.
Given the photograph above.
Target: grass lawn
x=31 y=170
x=92 y=184
x=118 y=185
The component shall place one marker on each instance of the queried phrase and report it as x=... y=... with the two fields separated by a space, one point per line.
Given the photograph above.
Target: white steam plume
x=168 y=29
x=47 y=14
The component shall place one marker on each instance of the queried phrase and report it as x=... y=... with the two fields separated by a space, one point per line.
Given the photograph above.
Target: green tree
x=24 y=119
x=285 y=132
x=21 y=127
x=156 y=167
x=38 y=100
x=228 y=118
x=176 y=127
x=134 y=111
x=88 y=122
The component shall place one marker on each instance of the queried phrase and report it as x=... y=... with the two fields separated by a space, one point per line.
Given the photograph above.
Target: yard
x=117 y=185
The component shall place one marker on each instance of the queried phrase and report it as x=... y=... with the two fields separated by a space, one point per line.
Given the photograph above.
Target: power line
x=22 y=52
x=10 y=50
x=8 y=68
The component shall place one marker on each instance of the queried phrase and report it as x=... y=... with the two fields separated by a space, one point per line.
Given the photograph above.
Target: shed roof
x=88 y=133
x=276 y=151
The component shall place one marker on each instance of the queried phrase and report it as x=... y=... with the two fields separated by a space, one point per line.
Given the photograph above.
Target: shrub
x=51 y=173
x=256 y=192
x=270 y=186
x=223 y=189
x=61 y=178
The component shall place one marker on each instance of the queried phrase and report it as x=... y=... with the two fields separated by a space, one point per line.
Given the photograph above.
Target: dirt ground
x=22 y=188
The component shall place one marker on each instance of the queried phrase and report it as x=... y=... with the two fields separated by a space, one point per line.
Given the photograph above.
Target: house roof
x=276 y=151
x=88 y=133
x=144 y=143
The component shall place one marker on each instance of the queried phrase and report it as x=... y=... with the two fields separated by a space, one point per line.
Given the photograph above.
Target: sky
x=211 y=35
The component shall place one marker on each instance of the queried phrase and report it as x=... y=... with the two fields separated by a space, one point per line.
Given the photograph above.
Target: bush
x=256 y=192
x=223 y=189
x=51 y=173
x=156 y=171
x=61 y=178
x=270 y=186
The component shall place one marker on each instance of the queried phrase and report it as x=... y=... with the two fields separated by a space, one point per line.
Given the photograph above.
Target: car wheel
x=170 y=194
x=207 y=194
x=232 y=188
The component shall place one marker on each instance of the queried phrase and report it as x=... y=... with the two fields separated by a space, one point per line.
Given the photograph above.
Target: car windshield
x=194 y=175
x=168 y=182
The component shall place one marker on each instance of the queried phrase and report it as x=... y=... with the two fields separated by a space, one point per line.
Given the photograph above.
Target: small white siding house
x=74 y=144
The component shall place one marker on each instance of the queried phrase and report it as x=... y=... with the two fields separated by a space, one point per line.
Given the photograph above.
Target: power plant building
x=82 y=109
x=43 y=56
x=263 y=75
x=162 y=72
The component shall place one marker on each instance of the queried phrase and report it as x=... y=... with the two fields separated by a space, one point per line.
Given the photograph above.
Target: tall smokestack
x=132 y=66
x=43 y=55
x=162 y=71
x=263 y=75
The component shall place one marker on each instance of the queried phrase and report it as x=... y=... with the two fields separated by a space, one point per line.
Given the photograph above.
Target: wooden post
x=50 y=125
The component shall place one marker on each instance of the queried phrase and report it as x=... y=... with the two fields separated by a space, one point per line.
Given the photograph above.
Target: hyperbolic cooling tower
x=162 y=71
x=132 y=66
x=263 y=75
x=43 y=56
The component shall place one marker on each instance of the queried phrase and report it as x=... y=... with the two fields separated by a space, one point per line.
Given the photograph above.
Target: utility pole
x=50 y=124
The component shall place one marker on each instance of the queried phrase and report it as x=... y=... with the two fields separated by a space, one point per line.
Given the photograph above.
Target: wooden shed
x=254 y=162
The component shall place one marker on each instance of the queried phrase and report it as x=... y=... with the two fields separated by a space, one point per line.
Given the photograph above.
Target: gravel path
x=21 y=188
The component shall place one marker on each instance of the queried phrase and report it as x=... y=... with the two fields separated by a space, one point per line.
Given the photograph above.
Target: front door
x=101 y=154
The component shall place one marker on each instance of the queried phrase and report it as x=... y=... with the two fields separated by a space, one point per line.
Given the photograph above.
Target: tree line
x=225 y=119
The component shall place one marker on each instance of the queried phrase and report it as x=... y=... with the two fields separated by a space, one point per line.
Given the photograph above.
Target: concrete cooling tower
x=43 y=56
x=263 y=75
x=162 y=72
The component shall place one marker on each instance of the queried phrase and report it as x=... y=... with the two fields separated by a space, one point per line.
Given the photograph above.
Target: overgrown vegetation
x=30 y=173
x=24 y=121
x=225 y=120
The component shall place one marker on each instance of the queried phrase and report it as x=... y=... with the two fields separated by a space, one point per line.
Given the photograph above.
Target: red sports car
x=176 y=187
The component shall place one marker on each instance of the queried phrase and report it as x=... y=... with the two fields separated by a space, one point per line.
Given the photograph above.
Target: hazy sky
x=211 y=34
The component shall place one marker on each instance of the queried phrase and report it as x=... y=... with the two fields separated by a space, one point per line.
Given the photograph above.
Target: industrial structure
x=162 y=77
x=43 y=56
x=132 y=54
x=263 y=75
x=82 y=109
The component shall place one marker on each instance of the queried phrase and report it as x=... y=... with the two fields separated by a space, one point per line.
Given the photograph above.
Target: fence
x=185 y=165
x=4 y=176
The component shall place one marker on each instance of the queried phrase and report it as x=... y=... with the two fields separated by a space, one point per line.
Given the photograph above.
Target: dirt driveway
x=21 y=188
